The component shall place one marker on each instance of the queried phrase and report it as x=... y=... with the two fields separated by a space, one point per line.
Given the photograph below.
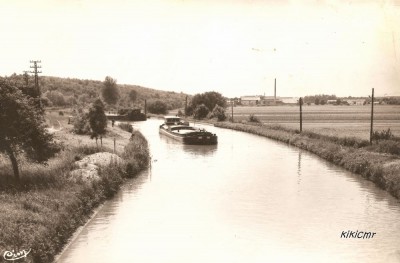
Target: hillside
x=85 y=91
x=71 y=92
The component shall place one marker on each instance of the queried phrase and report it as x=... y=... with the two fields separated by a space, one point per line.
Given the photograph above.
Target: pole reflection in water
x=247 y=199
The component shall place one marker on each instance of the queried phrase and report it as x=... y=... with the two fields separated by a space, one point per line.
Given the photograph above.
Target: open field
x=330 y=120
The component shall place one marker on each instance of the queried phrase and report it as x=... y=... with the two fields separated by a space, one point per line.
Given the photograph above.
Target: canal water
x=248 y=199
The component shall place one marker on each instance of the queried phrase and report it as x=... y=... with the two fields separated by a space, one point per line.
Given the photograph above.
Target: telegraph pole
x=275 y=92
x=371 y=132
x=232 y=108
x=36 y=72
x=145 y=108
x=301 y=114
x=186 y=106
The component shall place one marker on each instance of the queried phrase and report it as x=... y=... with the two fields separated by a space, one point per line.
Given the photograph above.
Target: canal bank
x=381 y=168
x=42 y=212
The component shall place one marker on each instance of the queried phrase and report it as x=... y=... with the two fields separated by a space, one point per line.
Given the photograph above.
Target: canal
x=248 y=199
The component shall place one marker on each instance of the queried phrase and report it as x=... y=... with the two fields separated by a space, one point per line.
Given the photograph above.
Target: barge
x=174 y=128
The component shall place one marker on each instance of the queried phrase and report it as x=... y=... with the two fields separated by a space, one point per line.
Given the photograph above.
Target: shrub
x=125 y=126
x=253 y=118
x=111 y=179
x=56 y=98
x=200 y=112
x=81 y=124
x=219 y=113
x=136 y=154
x=61 y=113
x=157 y=107
x=382 y=135
x=386 y=146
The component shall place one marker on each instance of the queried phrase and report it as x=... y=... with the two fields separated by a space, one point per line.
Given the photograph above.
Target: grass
x=43 y=210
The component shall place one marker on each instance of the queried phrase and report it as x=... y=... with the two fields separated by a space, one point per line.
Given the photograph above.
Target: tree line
x=69 y=92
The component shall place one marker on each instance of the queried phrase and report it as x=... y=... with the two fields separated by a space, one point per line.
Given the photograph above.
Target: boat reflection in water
x=191 y=149
x=174 y=128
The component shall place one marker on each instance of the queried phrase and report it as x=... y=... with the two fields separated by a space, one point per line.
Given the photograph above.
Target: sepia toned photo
x=184 y=131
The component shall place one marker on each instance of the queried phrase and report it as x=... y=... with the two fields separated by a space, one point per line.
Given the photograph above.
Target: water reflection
x=191 y=149
x=299 y=168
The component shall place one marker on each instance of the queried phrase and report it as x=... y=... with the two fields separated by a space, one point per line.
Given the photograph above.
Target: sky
x=235 y=47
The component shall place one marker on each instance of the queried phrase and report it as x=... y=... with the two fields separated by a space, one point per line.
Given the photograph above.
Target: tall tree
x=97 y=120
x=157 y=107
x=23 y=127
x=209 y=99
x=132 y=96
x=110 y=91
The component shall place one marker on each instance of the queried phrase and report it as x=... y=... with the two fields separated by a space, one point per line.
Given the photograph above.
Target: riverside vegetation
x=379 y=162
x=42 y=210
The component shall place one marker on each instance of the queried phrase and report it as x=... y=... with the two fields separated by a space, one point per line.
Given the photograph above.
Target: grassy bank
x=42 y=211
x=375 y=163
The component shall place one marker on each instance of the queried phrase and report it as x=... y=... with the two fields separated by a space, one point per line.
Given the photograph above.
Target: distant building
x=289 y=100
x=269 y=100
x=250 y=100
x=331 y=101
x=262 y=100
x=236 y=101
x=355 y=101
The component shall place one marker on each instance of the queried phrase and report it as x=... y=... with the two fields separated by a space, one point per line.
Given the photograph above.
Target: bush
x=219 y=113
x=136 y=154
x=56 y=98
x=200 y=112
x=386 y=146
x=382 y=135
x=125 y=126
x=157 y=107
x=61 y=113
x=253 y=118
x=81 y=124
x=46 y=102
x=111 y=179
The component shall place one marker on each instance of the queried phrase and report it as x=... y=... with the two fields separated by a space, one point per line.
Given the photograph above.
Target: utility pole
x=36 y=72
x=372 y=118
x=186 y=106
x=275 y=92
x=301 y=114
x=145 y=108
x=232 y=100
